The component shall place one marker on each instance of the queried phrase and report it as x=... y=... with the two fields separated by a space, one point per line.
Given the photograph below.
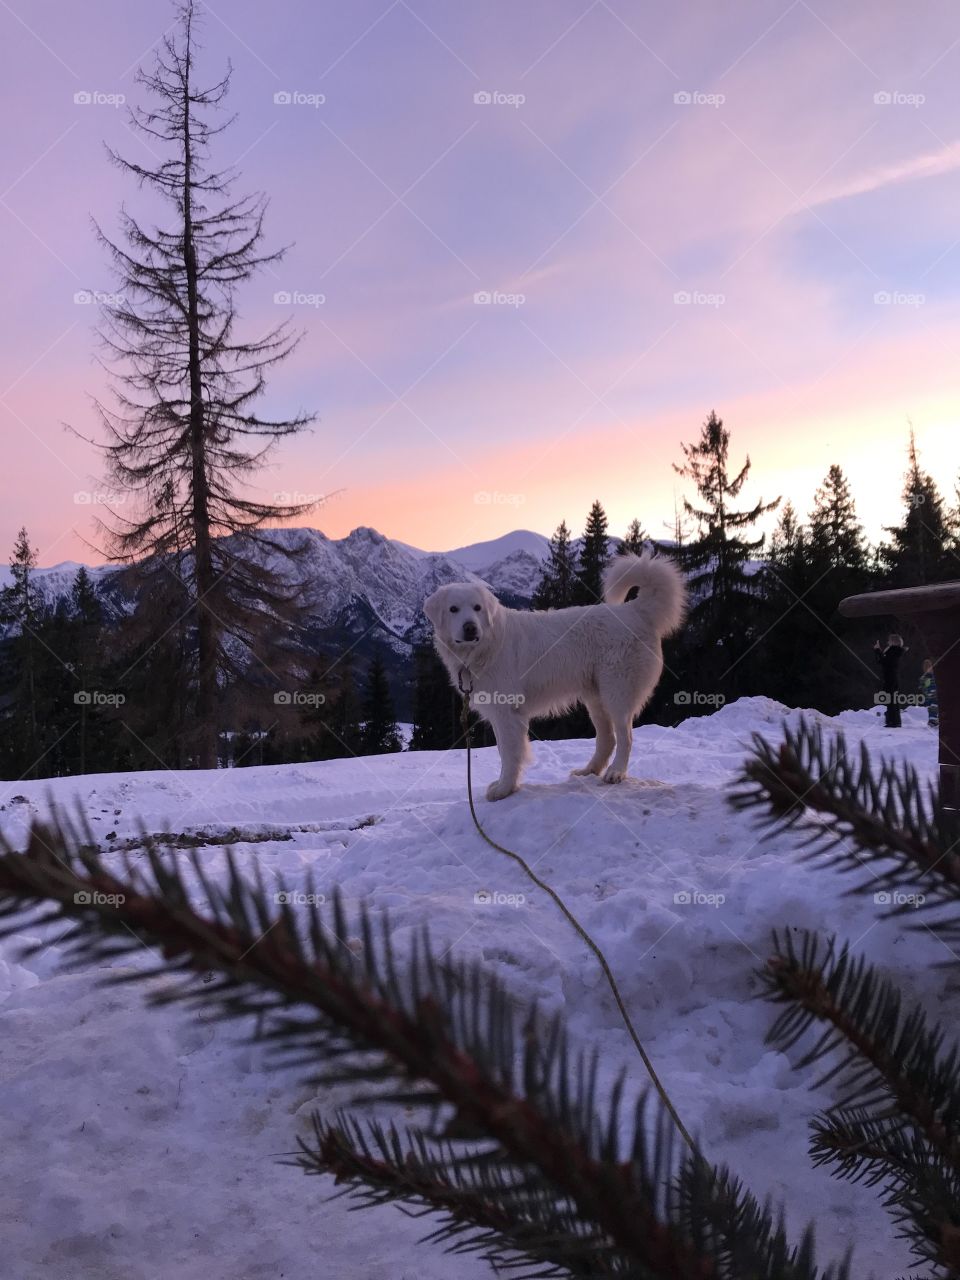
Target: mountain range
x=363 y=585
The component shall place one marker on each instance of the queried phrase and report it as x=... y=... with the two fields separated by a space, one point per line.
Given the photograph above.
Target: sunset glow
x=752 y=211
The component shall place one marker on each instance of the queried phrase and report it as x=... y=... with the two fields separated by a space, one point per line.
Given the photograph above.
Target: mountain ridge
x=364 y=572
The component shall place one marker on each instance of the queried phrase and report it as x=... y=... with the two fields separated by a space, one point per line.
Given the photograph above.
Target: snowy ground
x=141 y=1144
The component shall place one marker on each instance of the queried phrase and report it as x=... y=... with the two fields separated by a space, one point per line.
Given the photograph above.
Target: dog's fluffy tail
x=659 y=585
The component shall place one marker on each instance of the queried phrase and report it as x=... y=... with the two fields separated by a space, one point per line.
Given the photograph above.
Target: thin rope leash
x=594 y=947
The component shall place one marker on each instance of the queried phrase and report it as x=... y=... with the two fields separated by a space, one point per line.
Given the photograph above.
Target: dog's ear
x=433 y=605
x=492 y=603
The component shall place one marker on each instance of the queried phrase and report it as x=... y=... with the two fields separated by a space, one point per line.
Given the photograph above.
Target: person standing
x=889 y=659
x=928 y=691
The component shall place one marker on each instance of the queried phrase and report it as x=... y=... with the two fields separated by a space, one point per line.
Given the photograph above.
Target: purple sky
x=814 y=166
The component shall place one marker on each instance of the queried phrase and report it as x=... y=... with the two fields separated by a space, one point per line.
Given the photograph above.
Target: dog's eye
x=476 y=608
x=454 y=608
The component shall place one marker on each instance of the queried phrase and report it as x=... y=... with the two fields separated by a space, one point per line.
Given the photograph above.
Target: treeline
x=84 y=692
x=81 y=692
x=764 y=615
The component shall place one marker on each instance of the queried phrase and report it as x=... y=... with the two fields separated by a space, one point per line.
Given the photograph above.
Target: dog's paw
x=585 y=771
x=499 y=790
x=614 y=775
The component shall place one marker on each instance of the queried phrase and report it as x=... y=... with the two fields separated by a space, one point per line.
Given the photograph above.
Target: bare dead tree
x=184 y=436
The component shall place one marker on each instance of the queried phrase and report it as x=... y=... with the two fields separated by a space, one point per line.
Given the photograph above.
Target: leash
x=594 y=947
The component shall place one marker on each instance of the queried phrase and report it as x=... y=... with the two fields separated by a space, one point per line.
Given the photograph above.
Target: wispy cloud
x=930 y=164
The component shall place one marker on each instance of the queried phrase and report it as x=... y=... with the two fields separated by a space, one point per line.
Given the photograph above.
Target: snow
x=138 y=1143
x=478 y=556
x=389 y=577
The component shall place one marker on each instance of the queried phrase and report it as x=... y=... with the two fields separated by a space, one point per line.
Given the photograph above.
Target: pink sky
x=815 y=167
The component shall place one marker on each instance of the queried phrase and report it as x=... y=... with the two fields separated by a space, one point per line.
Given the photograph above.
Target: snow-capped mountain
x=57 y=580
x=479 y=556
x=365 y=579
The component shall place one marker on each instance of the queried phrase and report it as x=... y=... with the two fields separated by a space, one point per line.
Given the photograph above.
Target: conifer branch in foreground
x=527 y=1171
x=897 y=1119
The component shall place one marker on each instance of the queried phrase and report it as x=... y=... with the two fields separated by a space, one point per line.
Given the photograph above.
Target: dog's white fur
x=525 y=664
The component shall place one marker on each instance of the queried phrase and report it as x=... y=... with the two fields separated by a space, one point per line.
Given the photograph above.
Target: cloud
x=930 y=164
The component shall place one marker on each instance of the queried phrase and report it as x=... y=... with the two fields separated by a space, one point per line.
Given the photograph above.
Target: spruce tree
x=86 y=660
x=22 y=610
x=436 y=709
x=788 y=561
x=184 y=436
x=836 y=536
x=558 y=580
x=380 y=733
x=792 y=642
x=341 y=717
x=920 y=547
x=155 y=670
x=635 y=540
x=593 y=559
x=724 y=593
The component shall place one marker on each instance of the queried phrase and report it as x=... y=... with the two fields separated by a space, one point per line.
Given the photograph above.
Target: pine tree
x=593 y=559
x=919 y=550
x=836 y=536
x=558 y=580
x=792 y=646
x=155 y=670
x=380 y=733
x=339 y=720
x=86 y=661
x=436 y=711
x=788 y=561
x=184 y=437
x=22 y=610
x=724 y=593
x=634 y=542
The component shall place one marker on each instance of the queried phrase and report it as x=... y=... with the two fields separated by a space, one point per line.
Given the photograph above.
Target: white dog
x=518 y=665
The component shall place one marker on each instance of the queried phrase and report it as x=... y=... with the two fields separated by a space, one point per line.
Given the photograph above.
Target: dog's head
x=464 y=617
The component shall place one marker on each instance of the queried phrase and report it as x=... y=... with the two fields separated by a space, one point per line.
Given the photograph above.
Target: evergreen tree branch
x=898 y=1117
x=883 y=823
x=897 y=1120
x=552 y=1181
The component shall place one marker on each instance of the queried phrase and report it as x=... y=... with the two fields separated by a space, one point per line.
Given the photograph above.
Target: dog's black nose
x=470 y=631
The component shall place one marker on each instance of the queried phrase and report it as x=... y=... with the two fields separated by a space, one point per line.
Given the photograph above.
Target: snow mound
x=129 y=1134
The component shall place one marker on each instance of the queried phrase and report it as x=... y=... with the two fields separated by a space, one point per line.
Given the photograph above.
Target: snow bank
x=144 y=1143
